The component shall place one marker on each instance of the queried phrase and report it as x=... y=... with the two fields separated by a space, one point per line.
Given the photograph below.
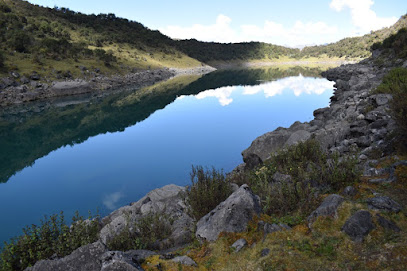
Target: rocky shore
x=355 y=120
x=16 y=89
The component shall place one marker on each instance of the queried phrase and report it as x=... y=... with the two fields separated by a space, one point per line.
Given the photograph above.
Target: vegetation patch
x=208 y=189
x=143 y=234
x=395 y=83
x=53 y=238
x=309 y=168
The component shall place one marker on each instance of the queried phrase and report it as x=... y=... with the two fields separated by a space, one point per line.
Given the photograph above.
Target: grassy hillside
x=53 y=41
x=356 y=47
x=59 y=42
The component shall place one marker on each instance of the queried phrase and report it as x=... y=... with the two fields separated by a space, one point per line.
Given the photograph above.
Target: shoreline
x=34 y=89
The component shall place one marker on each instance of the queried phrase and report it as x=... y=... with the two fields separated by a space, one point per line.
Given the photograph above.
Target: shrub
x=395 y=83
x=52 y=237
x=208 y=189
x=143 y=233
x=307 y=164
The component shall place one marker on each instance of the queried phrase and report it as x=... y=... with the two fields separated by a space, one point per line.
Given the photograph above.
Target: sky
x=292 y=23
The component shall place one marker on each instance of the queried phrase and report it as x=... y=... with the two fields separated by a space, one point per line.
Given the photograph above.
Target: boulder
x=232 y=215
x=328 y=207
x=358 y=226
x=118 y=261
x=266 y=144
x=84 y=258
x=168 y=200
x=239 y=245
x=281 y=178
x=383 y=203
x=184 y=260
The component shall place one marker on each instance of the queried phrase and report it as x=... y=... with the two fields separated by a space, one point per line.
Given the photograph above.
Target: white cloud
x=298 y=34
x=363 y=17
x=297 y=84
x=218 y=32
x=272 y=32
x=222 y=94
x=111 y=200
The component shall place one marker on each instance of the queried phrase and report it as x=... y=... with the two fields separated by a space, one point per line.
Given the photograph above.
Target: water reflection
x=297 y=84
x=33 y=130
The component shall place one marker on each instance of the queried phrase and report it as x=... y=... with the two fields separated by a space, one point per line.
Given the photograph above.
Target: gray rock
x=118 y=261
x=383 y=203
x=84 y=258
x=239 y=245
x=296 y=137
x=24 y=80
x=387 y=224
x=358 y=226
x=382 y=99
x=328 y=207
x=185 y=260
x=232 y=215
x=267 y=144
x=169 y=200
x=15 y=74
x=264 y=252
x=251 y=161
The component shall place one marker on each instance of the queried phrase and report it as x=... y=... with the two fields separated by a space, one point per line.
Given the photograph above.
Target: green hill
x=356 y=47
x=57 y=42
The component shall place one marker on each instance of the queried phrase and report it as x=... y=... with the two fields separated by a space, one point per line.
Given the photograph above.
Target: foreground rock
x=328 y=207
x=383 y=203
x=84 y=258
x=232 y=215
x=167 y=200
x=359 y=225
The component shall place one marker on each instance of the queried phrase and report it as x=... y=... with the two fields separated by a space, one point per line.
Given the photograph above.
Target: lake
x=100 y=151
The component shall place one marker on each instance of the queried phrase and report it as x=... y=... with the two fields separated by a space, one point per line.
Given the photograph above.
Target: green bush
x=143 y=233
x=306 y=163
x=395 y=83
x=208 y=189
x=52 y=237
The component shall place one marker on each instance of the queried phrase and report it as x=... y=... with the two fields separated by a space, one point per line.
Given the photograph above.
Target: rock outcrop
x=356 y=118
x=232 y=215
x=166 y=200
x=84 y=258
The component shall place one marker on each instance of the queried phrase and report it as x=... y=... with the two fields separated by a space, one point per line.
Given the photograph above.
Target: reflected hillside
x=32 y=131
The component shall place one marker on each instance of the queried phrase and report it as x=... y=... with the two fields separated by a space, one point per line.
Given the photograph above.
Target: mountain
x=356 y=47
x=59 y=41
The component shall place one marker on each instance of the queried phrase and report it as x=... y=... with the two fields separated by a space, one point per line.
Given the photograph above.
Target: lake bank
x=18 y=90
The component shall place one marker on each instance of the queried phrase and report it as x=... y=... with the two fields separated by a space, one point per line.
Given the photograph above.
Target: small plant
x=395 y=83
x=208 y=189
x=306 y=164
x=143 y=233
x=52 y=237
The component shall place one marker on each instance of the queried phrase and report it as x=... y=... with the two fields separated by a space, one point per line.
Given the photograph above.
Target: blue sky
x=290 y=22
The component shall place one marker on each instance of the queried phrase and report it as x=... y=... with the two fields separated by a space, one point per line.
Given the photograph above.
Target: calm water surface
x=99 y=153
